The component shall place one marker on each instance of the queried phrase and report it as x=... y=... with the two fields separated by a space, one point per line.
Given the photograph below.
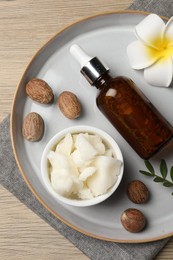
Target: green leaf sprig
x=163 y=171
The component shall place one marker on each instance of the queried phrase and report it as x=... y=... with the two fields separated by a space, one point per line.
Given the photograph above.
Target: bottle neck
x=103 y=81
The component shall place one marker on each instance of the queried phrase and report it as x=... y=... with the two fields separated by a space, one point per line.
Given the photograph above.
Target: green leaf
x=163 y=168
x=167 y=184
x=171 y=173
x=149 y=166
x=158 y=179
x=147 y=173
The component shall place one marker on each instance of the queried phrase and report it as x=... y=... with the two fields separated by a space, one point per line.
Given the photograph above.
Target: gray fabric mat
x=11 y=179
x=161 y=7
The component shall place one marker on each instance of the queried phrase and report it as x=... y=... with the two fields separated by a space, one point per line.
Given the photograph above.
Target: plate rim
x=12 y=119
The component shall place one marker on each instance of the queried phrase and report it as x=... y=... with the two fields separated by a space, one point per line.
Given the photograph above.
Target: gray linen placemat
x=11 y=179
x=161 y=7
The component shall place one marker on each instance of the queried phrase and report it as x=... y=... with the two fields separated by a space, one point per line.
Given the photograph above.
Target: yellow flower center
x=162 y=48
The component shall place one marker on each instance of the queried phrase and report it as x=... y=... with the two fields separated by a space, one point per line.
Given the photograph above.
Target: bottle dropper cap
x=91 y=67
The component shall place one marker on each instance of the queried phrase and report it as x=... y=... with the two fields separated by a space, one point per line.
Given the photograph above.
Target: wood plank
x=24 y=27
x=23 y=235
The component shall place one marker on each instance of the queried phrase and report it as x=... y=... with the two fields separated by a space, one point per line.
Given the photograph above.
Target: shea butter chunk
x=82 y=166
x=65 y=146
x=105 y=176
x=85 y=148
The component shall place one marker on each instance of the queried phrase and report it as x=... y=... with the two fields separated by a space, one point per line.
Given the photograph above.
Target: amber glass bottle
x=132 y=114
x=126 y=107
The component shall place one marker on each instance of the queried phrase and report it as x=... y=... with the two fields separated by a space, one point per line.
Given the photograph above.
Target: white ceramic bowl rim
x=80 y=129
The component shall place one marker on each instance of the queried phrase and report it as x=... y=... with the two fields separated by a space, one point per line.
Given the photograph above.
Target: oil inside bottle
x=132 y=114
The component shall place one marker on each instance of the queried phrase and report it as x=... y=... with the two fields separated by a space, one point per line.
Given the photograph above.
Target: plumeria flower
x=153 y=51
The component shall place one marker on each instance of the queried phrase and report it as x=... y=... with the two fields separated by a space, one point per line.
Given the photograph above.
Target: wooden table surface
x=24 y=27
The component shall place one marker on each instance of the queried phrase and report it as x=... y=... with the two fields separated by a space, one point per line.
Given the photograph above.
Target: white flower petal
x=168 y=32
x=150 y=29
x=160 y=73
x=140 y=55
x=171 y=54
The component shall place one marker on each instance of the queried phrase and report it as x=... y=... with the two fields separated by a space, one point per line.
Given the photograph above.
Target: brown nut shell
x=69 y=104
x=133 y=220
x=33 y=127
x=137 y=192
x=38 y=90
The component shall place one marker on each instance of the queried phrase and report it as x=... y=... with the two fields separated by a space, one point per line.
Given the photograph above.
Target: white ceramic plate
x=107 y=37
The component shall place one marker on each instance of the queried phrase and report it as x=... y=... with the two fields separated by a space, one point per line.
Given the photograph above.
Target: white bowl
x=55 y=140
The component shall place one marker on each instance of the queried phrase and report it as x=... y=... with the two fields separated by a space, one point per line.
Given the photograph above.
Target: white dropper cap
x=91 y=67
x=80 y=55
